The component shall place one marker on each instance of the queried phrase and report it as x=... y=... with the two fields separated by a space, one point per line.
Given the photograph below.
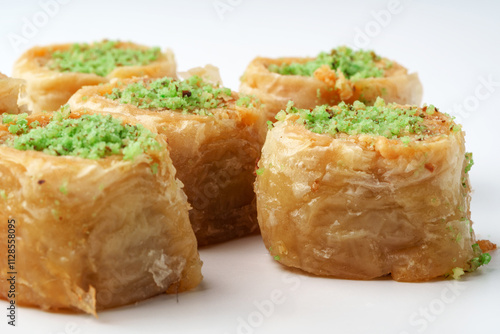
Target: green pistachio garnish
x=18 y=124
x=248 y=101
x=354 y=65
x=192 y=95
x=469 y=161
x=100 y=58
x=90 y=136
x=480 y=259
x=389 y=120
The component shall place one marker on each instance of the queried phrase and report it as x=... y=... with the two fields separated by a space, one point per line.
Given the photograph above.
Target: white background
x=453 y=45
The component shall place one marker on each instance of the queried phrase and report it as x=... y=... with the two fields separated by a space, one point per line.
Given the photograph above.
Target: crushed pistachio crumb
x=191 y=95
x=354 y=65
x=457 y=273
x=389 y=120
x=248 y=101
x=277 y=257
x=269 y=125
x=469 y=161
x=3 y=194
x=259 y=171
x=100 y=58
x=64 y=188
x=89 y=136
x=18 y=124
x=480 y=259
x=464 y=182
x=154 y=168
x=430 y=110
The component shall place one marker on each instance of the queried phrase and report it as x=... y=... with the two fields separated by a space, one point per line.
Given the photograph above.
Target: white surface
x=454 y=47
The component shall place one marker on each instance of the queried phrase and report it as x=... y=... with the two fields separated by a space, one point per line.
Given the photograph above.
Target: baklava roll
x=10 y=90
x=215 y=138
x=98 y=217
x=341 y=75
x=53 y=73
x=359 y=192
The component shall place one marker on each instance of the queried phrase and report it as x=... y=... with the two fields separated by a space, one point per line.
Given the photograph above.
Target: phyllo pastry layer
x=100 y=219
x=340 y=75
x=360 y=192
x=215 y=138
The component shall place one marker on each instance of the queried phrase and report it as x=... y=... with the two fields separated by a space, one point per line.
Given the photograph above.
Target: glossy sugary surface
x=94 y=234
x=365 y=206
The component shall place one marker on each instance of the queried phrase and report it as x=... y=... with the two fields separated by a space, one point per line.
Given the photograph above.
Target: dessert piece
x=53 y=73
x=10 y=89
x=341 y=75
x=359 y=192
x=99 y=218
x=215 y=138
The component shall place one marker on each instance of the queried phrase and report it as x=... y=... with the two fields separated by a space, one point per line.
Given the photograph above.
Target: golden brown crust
x=10 y=90
x=215 y=158
x=118 y=235
x=365 y=206
x=49 y=89
x=275 y=90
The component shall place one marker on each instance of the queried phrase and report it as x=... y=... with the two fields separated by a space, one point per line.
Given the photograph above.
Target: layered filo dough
x=326 y=86
x=215 y=156
x=364 y=206
x=10 y=91
x=92 y=234
x=47 y=89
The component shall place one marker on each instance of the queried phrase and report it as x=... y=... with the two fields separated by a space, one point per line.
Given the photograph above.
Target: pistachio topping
x=248 y=101
x=392 y=121
x=191 y=95
x=479 y=259
x=354 y=65
x=89 y=136
x=469 y=161
x=100 y=58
